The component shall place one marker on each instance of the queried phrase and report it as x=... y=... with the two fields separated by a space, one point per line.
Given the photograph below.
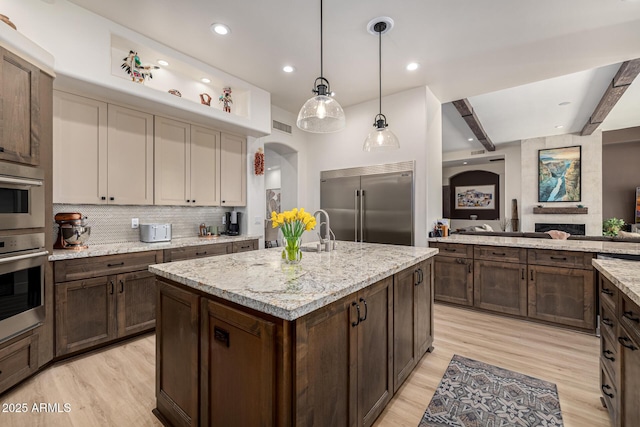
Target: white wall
x=415 y=117
x=591 y=165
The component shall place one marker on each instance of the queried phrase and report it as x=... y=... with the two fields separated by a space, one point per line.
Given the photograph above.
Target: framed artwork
x=475 y=197
x=273 y=201
x=559 y=174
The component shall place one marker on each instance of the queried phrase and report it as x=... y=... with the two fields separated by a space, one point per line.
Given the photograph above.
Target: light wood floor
x=116 y=386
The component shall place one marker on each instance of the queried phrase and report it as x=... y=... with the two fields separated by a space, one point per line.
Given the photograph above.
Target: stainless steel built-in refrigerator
x=370 y=204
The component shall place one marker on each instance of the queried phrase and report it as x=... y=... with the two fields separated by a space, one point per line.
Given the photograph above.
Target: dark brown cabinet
x=453 y=272
x=98 y=308
x=562 y=295
x=19 y=110
x=177 y=345
x=199 y=251
x=412 y=319
x=237 y=367
x=620 y=354
x=18 y=360
x=344 y=365
x=245 y=246
x=499 y=282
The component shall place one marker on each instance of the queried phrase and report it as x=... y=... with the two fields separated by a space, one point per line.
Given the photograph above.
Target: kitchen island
x=245 y=339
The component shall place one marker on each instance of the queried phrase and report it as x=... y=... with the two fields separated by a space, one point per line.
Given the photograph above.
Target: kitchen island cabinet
x=306 y=344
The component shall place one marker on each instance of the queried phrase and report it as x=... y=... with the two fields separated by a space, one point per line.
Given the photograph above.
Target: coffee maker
x=232 y=222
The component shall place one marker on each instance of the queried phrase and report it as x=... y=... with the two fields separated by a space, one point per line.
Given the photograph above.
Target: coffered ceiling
x=514 y=60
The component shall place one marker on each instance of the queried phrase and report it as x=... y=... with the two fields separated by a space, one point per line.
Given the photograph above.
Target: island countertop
x=622 y=273
x=261 y=281
x=617 y=247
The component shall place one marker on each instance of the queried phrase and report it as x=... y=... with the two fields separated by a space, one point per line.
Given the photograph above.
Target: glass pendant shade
x=321 y=114
x=381 y=138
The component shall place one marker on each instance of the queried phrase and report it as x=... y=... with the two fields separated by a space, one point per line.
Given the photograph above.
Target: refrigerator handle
x=355 y=228
x=362 y=215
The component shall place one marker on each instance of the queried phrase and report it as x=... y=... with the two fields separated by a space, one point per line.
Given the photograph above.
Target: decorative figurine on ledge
x=175 y=92
x=205 y=99
x=226 y=100
x=133 y=66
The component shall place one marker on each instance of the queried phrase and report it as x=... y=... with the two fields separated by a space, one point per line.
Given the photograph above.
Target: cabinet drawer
x=247 y=245
x=85 y=268
x=499 y=253
x=199 y=251
x=608 y=321
x=609 y=394
x=17 y=361
x=457 y=250
x=609 y=356
x=629 y=316
x=608 y=292
x=566 y=259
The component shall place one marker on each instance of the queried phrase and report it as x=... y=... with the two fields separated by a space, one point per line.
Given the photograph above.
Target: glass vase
x=291 y=252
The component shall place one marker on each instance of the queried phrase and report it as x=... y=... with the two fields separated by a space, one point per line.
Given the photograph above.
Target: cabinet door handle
x=116 y=264
x=498 y=253
x=356 y=323
x=607 y=291
x=416 y=277
x=121 y=286
x=607 y=321
x=629 y=315
x=111 y=288
x=188 y=201
x=112 y=198
x=523 y=274
x=606 y=387
x=450 y=249
x=201 y=253
x=103 y=198
x=624 y=340
x=531 y=275
x=559 y=258
x=366 y=310
x=606 y=353
x=193 y=201
x=469 y=267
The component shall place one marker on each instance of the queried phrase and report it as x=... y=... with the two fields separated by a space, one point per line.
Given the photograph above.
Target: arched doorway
x=280 y=182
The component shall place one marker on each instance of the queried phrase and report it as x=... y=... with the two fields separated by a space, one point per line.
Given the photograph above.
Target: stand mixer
x=73 y=231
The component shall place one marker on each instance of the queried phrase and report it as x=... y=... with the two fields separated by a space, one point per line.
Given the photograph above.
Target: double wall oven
x=22 y=251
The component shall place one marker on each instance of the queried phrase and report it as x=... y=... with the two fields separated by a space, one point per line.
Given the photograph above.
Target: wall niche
x=474 y=193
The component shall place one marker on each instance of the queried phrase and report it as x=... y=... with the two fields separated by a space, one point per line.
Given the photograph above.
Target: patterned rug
x=474 y=394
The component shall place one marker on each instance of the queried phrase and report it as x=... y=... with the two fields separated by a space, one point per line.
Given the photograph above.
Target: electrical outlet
x=134 y=223
x=257 y=220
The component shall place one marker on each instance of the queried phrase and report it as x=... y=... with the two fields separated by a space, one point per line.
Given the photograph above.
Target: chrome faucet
x=327 y=237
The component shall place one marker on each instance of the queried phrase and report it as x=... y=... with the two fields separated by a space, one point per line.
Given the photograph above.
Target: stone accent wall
x=591 y=181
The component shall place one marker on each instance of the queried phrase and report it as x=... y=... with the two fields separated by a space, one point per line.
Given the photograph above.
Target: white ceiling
x=465 y=49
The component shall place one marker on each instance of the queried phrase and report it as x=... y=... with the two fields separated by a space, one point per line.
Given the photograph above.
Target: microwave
x=21 y=197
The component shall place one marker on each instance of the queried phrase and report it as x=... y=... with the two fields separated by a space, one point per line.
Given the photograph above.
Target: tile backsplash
x=112 y=223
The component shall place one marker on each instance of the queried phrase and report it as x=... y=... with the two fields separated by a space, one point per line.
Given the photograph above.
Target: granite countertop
x=622 y=273
x=261 y=281
x=533 y=243
x=129 y=247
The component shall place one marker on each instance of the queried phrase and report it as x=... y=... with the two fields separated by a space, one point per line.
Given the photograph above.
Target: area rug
x=475 y=394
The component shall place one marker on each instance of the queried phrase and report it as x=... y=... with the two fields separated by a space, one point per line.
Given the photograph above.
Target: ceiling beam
x=620 y=83
x=466 y=111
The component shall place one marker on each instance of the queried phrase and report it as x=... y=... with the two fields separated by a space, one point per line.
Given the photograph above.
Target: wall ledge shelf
x=561 y=211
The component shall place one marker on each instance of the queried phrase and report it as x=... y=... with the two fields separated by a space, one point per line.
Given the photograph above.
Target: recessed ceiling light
x=562 y=104
x=205 y=80
x=464 y=163
x=412 y=66
x=559 y=127
x=470 y=139
x=221 y=29
x=288 y=69
x=163 y=62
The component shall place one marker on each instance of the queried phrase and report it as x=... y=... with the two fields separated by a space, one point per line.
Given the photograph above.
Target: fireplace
x=574 y=229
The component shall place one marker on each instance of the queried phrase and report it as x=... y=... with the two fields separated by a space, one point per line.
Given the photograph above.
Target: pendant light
x=322 y=113
x=380 y=138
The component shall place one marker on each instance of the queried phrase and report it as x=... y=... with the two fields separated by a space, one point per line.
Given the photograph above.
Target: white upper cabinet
x=233 y=171
x=205 y=166
x=172 y=180
x=102 y=154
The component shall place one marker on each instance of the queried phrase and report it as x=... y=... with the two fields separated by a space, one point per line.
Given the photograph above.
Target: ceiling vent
x=281 y=127
x=475 y=153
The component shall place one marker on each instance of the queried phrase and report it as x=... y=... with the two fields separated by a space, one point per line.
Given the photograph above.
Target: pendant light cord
x=321 y=73
x=380 y=67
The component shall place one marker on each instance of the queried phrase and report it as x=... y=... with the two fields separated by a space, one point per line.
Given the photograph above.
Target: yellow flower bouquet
x=292 y=224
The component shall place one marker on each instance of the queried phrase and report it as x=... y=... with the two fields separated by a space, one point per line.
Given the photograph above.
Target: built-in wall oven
x=21 y=197
x=22 y=264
